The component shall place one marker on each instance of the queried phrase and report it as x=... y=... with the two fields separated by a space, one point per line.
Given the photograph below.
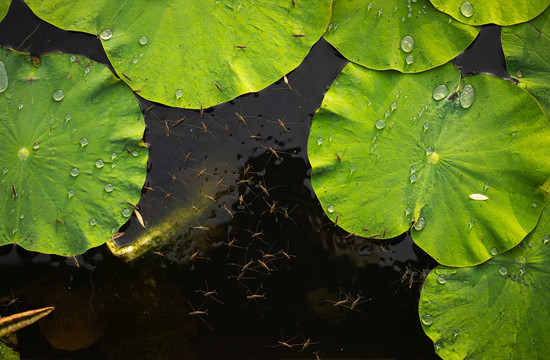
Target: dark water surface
x=257 y=273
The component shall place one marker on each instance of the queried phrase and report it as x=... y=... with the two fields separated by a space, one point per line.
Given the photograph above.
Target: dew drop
x=143 y=40
x=5 y=170
x=467 y=9
x=485 y=187
x=408 y=210
x=74 y=172
x=427 y=319
x=135 y=153
x=83 y=142
x=534 y=204
x=113 y=164
x=467 y=96
x=426 y=126
x=471 y=224
x=369 y=6
x=413 y=169
x=14 y=230
x=456 y=332
x=380 y=11
x=393 y=106
x=330 y=138
x=494 y=251
x=93 y=221
x=109 y=188
x=380 y=124
x=35 y=146
x=320 y=140
x=72 y=58
x=3 y=77
x=106 y=34
x=68 y=117
x=58 y=95
x=352 y=169
x=113 y=156
x=412 y=178
x=330 y=209
x=99 y=163
x=503 y=271
x=135 y=60
x=440 y=92
x=20 y=106
x=419 y=225
x=519 y=74
x=178 y=93
x=21 y=216
x=126 y=212
x=409 y=59
x=545 y=238
x=70 y=192
x=387 y=113
x=429 y=150
x=87 y=70
x=407 y=43
x=441 y=279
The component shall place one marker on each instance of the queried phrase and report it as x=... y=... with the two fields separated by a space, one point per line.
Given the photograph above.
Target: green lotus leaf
x=496 y=310
x=500 y=12
x=70 y=153
x=385 y=154
x=389 y=35
x=193 y=53
x=527 y=51
x=4 y=6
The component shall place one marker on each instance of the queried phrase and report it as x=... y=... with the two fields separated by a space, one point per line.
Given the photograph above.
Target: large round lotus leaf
x=428 y=157
x=376 y=34
x=501 y=12
x=68 y=166
x=527 y=51
x=497 y=310
x=193 y=53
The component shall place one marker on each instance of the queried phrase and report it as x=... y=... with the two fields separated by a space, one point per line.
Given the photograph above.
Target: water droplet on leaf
x=4 y=170
x=93 y=221
x=320 y=140
x=407 y=43
x=441 y=279
x=143 y=40
x=113 y=156
x=494 y=251
x=412 y=178
x=330 y=209
x=135 y=153
x=479 y=197
x=75 y=172
x=393 y=106
x=109 y=188
x=380 y=124
x=135 y=60
x=471 y=224
x=546 y=239
x=427 y=319
x=429 y=150
x=419 y=225
x=440 y=92
x=408 y=210
x=413 y=169
x=126 y=212
x=99 y=163
x=352 y=169
x=3 y=77
x=467 y=96
x=534 y=204
x=106 y=34
x=178 y=93
x=409 y=59
x=58 y=95
x=36 y=145
x=466 y=9
x=83 y=142
x=519 y=74
x=70 y=192
x=503 y=271
x=68 y=117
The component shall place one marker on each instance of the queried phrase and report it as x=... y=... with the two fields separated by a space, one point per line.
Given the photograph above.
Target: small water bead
x=330 y=138
x=113 y=164
x=36 y=145
x=135 y=153
x=14 y=230
x=534 y=204
x=74 y=129
x=393 y=106
x=546 y=239
x=485 y=187
x=352 y=169
x=403 y=18
x=441 y=279
x=387 y=113
x=178 y=93
x=503 y=271
x=380 y=11
x=429 y=150
x=93 y=221
x=369 y=6
x=72 y=58
x=320 y=140
x=408 y=210
x=407 y=43
x=113 y=156
x=3 y=77
x=70 y=192
x=5 y=170
x=520 y=261
x=426 y=126
x=58 y=95
x=109 y=188
x=519 y=74
x=427 y=319
x=87 y=70
x=380 y=124
x=413 y=169
x=440 y=92
x=21 y=216
x=471 y=224
x=409 y=59
x=126 y=212
x=106 y=34
x=467 y=96
x=83 y=142
x=330 y=209
x=74 y=172
x=68 y=117
x=494 y=251
x=99 y=163
x=419 y=225
x=143 y=40
x=412 y=178
x=466 y=9
x=20 y=106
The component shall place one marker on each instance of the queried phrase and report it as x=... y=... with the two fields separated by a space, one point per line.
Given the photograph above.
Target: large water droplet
x=135 y=153
x=409 y=59
x=58 y=95
x=412 y=178
x=93 y=221
x=70 y=192
x=441 y=279
x=440 y=92
x=109 y=188
x=380 y=124
x=3 y=77
x=106 y=34
x=99 y=163
x=494 y=251
x=427 y=319
x=429 y=150
x=178 y=93
x=330 y=209
x=466 y=9
x=407 y=43
x=393 y=106
x=75 y=172
x=419 y=225
x=467 y=96
x=320 y=140
x=503 y=271
x=83 y=142
x=143 y=40
x=126 y=212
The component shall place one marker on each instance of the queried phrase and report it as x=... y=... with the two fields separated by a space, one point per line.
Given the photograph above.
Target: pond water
x=256 y=272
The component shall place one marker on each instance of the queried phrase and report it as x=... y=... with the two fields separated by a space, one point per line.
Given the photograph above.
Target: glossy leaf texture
x=496 y=310
x=527 y=50
x=192 y=53
x=500 y=12
x=71 y=155
x=409 y=37
x=385 y=155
